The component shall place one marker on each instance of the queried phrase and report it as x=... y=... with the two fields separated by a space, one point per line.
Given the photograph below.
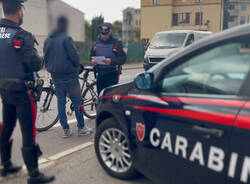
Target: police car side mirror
x=144 y=81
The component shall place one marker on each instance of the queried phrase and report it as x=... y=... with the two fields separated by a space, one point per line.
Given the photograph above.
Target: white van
x=168 y=42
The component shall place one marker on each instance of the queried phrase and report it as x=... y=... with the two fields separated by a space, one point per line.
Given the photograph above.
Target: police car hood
x=118 y=89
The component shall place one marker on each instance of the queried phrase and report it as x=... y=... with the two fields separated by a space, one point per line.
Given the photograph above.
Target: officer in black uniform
x=18 y=61
x=112 y=49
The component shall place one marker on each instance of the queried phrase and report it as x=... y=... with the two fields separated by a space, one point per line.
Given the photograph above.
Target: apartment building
x=131 y=22
x=239 y=12
x=160 y=15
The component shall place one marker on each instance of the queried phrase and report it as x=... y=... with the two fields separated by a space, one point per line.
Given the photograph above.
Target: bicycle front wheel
x=47 y=115
x=90 y=99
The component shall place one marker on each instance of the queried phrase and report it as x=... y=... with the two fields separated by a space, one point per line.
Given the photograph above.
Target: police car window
x=219 y=71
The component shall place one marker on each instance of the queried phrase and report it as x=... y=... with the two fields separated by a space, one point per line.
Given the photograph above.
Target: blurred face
x=105 y=37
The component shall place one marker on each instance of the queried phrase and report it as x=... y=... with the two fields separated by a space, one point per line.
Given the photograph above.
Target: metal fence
x=135 y=51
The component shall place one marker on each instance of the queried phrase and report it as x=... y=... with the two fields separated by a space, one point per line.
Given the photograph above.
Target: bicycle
x=47 y=110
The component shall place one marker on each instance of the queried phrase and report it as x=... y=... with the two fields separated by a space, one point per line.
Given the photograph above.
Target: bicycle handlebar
x=89 y=68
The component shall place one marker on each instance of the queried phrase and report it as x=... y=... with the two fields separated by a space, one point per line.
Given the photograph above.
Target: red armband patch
x=115 y=48
x=17 y=44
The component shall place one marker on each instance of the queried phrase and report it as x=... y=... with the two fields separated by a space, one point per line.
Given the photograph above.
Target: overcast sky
x=110 y=9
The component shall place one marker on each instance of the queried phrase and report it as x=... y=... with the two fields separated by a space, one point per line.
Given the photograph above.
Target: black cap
x=13 y=1
x=105 y=28
x=12 y=6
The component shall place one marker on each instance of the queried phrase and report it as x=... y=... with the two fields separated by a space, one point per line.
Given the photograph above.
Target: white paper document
x=99 y=60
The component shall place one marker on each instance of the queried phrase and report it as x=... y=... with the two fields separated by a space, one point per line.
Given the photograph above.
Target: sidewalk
x=130 y=65
x=79 y=168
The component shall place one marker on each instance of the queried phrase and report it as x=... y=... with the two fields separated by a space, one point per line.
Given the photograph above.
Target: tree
x=96 y=22
x=88 y=32
x=117 y=29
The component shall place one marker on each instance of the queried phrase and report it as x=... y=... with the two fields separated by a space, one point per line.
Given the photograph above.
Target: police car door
x=239 y=167
x=189 y=134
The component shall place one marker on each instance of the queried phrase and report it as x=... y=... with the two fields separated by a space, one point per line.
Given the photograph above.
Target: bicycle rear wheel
x=47 y=115
x=90 y=99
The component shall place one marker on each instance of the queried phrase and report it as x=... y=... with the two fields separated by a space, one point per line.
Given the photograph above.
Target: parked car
x=166 y=43
x=184 y=121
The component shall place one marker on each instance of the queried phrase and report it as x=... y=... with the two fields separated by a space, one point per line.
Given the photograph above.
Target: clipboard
x=99 y=60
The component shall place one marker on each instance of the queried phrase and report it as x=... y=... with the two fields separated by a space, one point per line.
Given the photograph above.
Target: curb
x=44 y=163
x=132 y=68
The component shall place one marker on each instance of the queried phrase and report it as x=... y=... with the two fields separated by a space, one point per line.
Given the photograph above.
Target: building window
x=242 y=20
x=180 y=18
x=156 y=1
x=175 y=19
x=198 y=1
x=137 y=22
x=198 y=18
x=243 y=7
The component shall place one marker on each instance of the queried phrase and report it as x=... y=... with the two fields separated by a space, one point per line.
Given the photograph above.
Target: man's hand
x=93 y=62
x=107 y=61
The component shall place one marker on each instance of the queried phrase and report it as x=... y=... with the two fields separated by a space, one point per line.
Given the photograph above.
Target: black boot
x=8 y=167
x=30 y=157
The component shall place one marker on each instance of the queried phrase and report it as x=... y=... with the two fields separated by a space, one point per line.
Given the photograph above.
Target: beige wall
x=154 y=20
x=243 y=13
x=1 y=10
x=38 y=16
x=157 y=18
x=39 y=25
x=57 y=8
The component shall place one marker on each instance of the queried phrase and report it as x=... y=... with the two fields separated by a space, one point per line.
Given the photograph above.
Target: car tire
x=106 y=126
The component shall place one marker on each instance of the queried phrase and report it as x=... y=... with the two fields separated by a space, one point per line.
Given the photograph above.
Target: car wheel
x=112 y=150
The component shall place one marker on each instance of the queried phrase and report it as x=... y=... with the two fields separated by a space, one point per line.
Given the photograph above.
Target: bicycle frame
x=85 y=81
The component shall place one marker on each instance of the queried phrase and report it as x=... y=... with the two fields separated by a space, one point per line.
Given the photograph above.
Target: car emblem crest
x=140 y=131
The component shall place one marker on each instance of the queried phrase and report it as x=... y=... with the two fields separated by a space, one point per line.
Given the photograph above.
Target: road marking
x=44 y=163
x=70 y=151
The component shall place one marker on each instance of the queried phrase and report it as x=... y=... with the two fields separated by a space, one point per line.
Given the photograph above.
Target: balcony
x=234 y=13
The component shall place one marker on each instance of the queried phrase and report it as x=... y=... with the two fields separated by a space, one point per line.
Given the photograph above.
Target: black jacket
x=60 y=55
x=18 y=56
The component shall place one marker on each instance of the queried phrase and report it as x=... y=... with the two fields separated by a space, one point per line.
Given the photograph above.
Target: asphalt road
x=79 y=167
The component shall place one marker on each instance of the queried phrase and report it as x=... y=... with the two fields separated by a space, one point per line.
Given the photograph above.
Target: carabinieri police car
x=184 y=121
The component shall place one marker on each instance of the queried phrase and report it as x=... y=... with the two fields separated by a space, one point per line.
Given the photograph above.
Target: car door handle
x=208 y=131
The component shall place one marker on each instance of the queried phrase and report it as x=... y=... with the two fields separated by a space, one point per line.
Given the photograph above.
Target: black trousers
x=106 y=80
x=18 y=105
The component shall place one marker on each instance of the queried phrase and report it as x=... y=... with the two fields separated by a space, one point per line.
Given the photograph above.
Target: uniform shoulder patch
x=17 y=44
x=115 y=48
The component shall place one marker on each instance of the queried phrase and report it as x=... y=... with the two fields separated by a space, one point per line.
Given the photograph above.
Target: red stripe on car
x=243 y=121
x=219 y=118
x=203 y=101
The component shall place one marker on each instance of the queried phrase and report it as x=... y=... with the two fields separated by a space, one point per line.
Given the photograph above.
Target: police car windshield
x=168 y=40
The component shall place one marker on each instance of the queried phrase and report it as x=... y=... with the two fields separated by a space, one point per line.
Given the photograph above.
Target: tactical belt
x=15 y=84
